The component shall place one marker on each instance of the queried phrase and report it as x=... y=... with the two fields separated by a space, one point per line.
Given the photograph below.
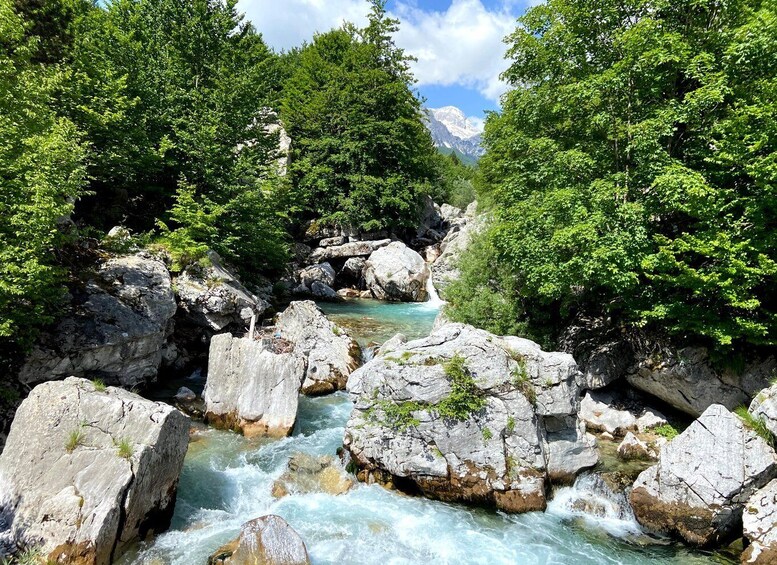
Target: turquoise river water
x=227 y=480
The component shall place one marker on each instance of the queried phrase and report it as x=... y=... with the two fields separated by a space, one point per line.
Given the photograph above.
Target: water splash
x=434 y=300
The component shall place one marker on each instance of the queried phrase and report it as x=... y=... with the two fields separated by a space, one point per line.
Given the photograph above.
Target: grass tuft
x=99 y=385
x=755 y=423
x=75 y=439
x=126 y=450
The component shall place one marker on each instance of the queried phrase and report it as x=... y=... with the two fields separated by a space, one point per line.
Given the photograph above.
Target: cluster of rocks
x=254 y=389
x=344 y=264
x=464 y=415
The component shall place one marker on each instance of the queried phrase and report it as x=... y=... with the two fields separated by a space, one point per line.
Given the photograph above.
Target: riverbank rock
x=759 y=521
x=764 y=407
x=330 y=352
x=322 y=273
x=396 y=272
x=445 y=267
x=268 y=540
x=86 y=471
x=115 y=328
x=453 y=416
x=603 y=411
x=251 y=389
x=306 y=474
x=632 y=448
x=703 y=479
x=687 y=380
x=347 y=250
x=212 y=297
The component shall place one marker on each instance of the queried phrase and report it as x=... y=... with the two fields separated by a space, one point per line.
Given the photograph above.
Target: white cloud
x=462 y=45
x=478 y=122
x=459 y=46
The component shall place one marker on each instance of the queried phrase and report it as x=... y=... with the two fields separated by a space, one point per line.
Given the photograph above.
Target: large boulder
x=703 y=478
x=456 y=415
x=211 y=297
x=759 y=522
x=396 y=272
x=351 y=249
x=88 y=471
x=688 y=380
x=307 y=473
x=268 y=540
x=251 y=388
x=115 y=328
x=330 y=352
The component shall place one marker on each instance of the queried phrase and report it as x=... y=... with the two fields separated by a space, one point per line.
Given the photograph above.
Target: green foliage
x=41 y=173
x=125 y=449
x=361 y=155
x=632 y=172
x=99 y=385
x=666 y=430
x=465 y=397
x=487 y=434
x=395 y=415
x=522 y=381
x=756 y=424
x=75 y=439
x=454 y=182
x=510 y=424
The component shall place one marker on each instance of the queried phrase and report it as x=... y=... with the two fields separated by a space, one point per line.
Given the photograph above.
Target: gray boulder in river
x=396 y=272
x=330 y=353
x=703 y=478
x=87 y=472
x=115 y=328
x=268 y=540
x=464 y=415
x=250 y=388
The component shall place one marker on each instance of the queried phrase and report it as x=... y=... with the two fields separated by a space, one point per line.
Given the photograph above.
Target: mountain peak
x=452 y=131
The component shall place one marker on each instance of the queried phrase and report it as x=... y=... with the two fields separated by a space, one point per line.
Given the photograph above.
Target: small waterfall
x=434 y=298
x=591 y=499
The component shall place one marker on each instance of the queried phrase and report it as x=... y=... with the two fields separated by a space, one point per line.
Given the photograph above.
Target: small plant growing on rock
x=523 y=383
x=337 y=331
x=755 y=423
x=667 y=431
x=125 y=449
x=465 y=398
x=75 y=438
x=487 y=434
x=510 y=425
x=99 y=385
x=396 y=415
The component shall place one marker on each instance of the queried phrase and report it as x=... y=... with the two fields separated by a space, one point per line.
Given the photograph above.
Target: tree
x=41 y=175
x=361 y=155
x=632 y=169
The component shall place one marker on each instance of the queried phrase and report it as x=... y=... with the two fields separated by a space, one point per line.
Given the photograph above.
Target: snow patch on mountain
x=451 y=129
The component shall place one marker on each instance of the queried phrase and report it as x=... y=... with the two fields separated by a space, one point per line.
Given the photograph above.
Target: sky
x=458 y=43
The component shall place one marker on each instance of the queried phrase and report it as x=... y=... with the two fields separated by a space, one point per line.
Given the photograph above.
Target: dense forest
x=164 y=117
x=631 y=175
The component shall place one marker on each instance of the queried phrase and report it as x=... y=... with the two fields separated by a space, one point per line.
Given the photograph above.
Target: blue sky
x=458 y=43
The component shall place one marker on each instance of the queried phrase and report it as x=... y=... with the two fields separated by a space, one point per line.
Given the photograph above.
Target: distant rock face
x=330 y=353
x=115 y=329
x=759 y=521
x=396 y=272
x=687 y=380
x=703 y=478
x=213 y=298
x=251 y=389
x=415 y=422
x=268 y=540
x=87 y=472
x=451 y=129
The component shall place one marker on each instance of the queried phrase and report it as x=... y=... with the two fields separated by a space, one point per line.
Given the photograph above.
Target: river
x=227 y=480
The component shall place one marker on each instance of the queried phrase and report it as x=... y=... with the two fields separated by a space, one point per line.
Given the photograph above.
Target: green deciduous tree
x=41 y=175
x=632 y=170
x=361 y=155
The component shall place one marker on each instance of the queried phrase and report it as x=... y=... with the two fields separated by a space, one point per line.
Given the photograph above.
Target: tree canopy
x=632 y=172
